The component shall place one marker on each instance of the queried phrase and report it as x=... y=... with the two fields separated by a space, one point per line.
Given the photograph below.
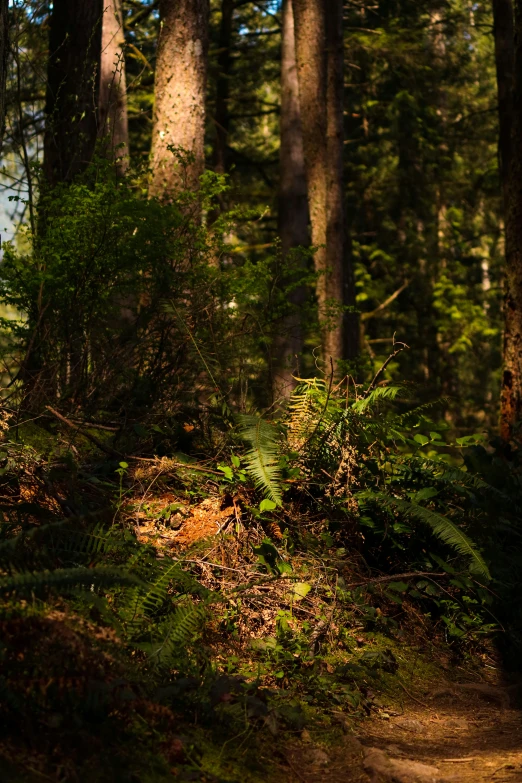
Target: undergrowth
x=186 y=582
x=335 y=537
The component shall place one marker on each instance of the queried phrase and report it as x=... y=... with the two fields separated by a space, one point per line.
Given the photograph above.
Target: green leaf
x=267 y=505
x=422 y=439
x=227 y=471
x=399 y=587
x=425 y=494
x=236 y=462
x=300 y=590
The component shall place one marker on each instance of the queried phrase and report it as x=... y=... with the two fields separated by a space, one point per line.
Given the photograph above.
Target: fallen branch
x=68 y=423
x=396 y=577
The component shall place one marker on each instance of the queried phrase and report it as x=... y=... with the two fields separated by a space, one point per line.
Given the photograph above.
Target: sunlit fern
x=263 y=457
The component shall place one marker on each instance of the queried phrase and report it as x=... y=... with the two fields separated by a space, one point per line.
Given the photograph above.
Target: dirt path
x=461 y=734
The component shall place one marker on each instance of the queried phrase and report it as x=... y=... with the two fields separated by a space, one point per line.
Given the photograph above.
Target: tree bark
x=343 y=341
x=4 y=54
x=72 y=88
x=508 y=55
x=113 y=118
x=179 y=111
x=224 y=62
x=319 y=48
x=293 y=206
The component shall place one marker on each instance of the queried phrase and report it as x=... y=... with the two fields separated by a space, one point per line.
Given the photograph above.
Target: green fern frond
x=142 y=603
x=441 y=526
x=178 y=631
x=419 y=410
x=378 y=395
x=449 y=474
x=262 y=460
x=64 y=578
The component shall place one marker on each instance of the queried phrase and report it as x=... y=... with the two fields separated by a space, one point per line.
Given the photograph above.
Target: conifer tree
x=180 y=92
x=319 y=47
x=222 y=111
x=72 y=87
x=508 y=55
x=113 y=119
x=293 y=206
x=4 y=52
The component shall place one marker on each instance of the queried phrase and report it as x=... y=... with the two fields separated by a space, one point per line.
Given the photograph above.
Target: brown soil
x=183 y=527
x=460 y=734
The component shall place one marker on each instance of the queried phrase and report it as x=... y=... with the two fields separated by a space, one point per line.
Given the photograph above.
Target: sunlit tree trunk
x=179 y=110
x=508 y=54
x=293 y=206
x=318 y=35
x=72 y=87
x=113 y=118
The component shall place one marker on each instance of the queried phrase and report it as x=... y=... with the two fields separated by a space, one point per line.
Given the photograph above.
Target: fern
x=378 y=395
x=441 y=526
x=64 y=578
x=262 y=460
x=178 y=631
x=98 y=541
x=144 y=602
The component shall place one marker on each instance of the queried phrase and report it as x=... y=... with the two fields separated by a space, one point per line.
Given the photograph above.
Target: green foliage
x=262 y=459
x=368 y=461
x=443 y=528
x=65 y=578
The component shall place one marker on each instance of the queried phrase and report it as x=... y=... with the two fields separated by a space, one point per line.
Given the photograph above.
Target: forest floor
x=460 y=733
x=292 y=679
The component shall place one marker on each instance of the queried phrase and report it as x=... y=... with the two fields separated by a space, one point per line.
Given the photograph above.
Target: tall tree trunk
x=293 y=205
x=113 y=118
x=508 y=55
x=72 y=88
x=343 y=341
x=224 y=62
x=179 y=111
x=318 y=34
x=4 y=53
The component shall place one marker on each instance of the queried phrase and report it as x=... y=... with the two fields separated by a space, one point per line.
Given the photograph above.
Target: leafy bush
x=129 y=302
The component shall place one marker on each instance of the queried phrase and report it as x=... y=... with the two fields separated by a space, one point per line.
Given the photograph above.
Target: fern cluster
x=387 y=469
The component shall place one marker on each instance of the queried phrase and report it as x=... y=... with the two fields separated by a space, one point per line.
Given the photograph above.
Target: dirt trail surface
x=461 y=733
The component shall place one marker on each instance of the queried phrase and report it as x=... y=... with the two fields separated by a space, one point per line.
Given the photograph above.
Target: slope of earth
x=459 y=734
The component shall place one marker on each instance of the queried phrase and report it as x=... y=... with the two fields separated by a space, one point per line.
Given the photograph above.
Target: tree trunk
x=318 y=34
x=4 y=54
x=293 y=206
x=508 y=55
x=224 y=62
x=179 y=111
x=343 y=341
x=72 y=88
x=113 y=119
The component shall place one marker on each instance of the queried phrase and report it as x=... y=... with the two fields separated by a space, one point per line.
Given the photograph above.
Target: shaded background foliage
x=422 y=193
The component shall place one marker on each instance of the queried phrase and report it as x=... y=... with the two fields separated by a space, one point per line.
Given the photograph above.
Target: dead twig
x=396 y=577
x=373 y=384
x=411 y=696
x=106 y=449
